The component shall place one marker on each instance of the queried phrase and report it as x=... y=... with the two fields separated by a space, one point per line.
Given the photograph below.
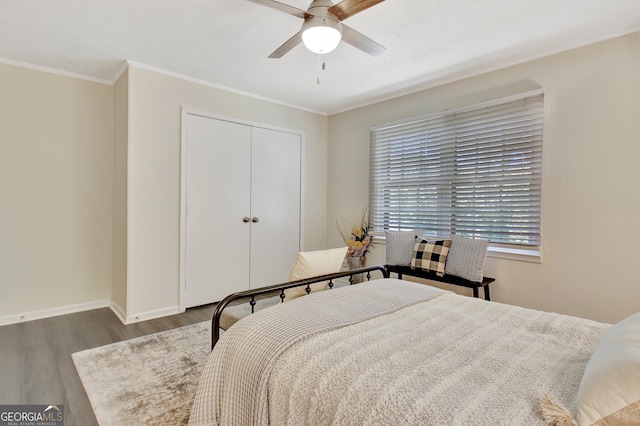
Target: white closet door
x=217 y=198
x=275 y=202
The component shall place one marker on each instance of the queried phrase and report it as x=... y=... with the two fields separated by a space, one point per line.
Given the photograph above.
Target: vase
x=355 y=263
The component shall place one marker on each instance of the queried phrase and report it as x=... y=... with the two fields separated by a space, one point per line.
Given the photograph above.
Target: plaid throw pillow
x=431 y=256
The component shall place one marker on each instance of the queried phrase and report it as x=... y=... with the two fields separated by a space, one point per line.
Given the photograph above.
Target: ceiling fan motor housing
x=321 y=30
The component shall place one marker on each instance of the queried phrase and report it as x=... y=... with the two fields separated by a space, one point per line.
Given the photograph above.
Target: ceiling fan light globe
x=321 y=35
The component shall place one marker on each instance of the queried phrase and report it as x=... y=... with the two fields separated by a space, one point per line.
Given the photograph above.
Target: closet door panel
x=275 y=202
x=218 y=197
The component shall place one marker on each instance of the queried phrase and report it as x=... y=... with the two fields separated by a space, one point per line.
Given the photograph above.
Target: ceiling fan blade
x=348 y=8
x=362 y=42
x=287 y=46
x=299 y=13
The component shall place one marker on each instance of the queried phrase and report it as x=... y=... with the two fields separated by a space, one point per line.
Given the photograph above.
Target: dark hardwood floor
x=35 y=356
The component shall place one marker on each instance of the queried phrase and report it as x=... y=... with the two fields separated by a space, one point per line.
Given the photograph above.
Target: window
x=474 y=171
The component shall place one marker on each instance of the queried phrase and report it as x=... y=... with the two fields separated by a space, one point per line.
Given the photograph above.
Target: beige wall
x=56 y=179
x=90 y=182
x=155 y=102
x=591 y=187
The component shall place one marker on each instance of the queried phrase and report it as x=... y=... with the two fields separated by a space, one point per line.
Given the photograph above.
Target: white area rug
x=150 y=380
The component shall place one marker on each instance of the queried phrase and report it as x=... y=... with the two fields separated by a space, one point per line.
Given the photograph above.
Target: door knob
x=246 y=219
x=255 y=219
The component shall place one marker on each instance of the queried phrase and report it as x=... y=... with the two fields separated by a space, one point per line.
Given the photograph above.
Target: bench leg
x=475 y=292
x=487 y=296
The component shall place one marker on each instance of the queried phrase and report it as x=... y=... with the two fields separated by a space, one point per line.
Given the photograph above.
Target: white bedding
x=412 y=354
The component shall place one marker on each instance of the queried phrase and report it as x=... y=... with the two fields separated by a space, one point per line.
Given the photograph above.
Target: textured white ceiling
x=226 y=42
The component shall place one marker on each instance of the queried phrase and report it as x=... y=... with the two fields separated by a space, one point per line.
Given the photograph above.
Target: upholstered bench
x=447 y=278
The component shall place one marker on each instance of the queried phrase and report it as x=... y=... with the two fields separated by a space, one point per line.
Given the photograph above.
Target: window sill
x=512 y=253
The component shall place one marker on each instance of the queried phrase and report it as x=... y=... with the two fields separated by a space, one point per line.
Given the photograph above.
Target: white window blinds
x=475 y=171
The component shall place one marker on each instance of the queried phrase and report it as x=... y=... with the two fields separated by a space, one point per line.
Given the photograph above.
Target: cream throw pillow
x=311 y=264
x=609 y=392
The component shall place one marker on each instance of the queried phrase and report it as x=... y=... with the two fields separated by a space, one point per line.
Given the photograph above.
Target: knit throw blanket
x=233 y=387
x=410 y=355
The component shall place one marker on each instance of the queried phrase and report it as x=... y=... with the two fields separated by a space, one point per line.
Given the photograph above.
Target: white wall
x=120 y=179
x=155 y=102
x=56 y=173
x=591 y=187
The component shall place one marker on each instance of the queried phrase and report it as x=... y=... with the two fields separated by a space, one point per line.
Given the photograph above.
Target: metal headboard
x=251 y=294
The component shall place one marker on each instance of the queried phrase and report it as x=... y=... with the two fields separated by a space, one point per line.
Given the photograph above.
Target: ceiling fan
x=323 y=29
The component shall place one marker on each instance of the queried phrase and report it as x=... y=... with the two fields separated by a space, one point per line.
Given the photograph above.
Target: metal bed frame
x=251 y=294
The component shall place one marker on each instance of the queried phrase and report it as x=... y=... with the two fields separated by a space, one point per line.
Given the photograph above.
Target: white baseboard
x=70 y=309
x=53 y=312
x=116 y=309
x=145 y=316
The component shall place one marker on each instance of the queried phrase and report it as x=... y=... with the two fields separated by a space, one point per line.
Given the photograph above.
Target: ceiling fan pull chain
x=321 y=67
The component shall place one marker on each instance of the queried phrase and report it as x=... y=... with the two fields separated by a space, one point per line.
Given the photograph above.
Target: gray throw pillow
x=400 y=246
x=466 y=257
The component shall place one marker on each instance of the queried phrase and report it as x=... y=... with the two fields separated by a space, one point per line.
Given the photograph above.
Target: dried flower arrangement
x=355 y=234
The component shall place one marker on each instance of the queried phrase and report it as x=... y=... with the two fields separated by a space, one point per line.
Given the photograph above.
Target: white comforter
x=393 y=352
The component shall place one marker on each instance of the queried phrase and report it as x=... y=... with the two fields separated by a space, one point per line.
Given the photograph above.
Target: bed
x=396 y=352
